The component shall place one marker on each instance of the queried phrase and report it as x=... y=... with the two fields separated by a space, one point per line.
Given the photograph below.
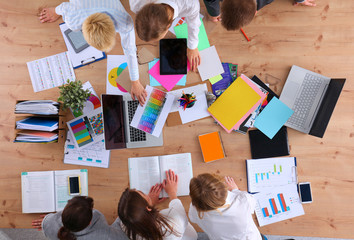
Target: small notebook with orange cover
x=211 y=146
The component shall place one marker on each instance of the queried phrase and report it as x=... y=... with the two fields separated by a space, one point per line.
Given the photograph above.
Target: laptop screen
x=173 y=56
x=113 y=121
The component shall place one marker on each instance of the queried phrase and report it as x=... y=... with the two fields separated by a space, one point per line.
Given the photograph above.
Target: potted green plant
x=73 y=96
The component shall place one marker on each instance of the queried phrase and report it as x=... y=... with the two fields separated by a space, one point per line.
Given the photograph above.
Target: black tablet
x=173 y=56
x=76 y=40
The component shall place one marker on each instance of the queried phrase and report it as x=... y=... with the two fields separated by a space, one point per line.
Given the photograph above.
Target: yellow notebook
x=238 y=101
x=211 y=146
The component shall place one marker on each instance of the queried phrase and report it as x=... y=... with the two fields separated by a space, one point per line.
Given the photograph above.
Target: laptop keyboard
x=136 y=135
x=304 y=102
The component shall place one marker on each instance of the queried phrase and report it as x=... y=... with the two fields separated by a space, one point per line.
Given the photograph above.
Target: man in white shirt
x=154 y=17
x=232 y=219
x=89 y=15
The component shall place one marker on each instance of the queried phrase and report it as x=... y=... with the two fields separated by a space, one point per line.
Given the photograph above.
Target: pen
x=244 y=34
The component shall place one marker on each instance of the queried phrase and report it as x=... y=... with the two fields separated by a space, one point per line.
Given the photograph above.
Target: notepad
x=236 y=103
x=181 y=31
x=273 y=117
x=211 y=146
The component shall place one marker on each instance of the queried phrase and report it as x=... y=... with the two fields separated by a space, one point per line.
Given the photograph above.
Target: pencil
x=244 y=34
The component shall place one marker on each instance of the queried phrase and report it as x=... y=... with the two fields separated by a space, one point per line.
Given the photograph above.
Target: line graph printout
x=267 y=173
x=277 y=205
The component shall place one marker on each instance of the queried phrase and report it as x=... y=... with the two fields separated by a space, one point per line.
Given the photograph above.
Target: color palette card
x=181 y=31
x=155 y=83
x=239 y=100
x=210 y=64
x=273 y=117
x=92 y=103
x=87 y=129
x=211 y=146
x=151 y=117
x=167 y=81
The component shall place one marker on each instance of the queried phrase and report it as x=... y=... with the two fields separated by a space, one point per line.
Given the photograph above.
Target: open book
x=47 y=191
x=144 y=172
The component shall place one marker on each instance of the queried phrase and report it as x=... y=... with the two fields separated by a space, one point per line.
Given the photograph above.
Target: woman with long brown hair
x=78 y=220
x=140 y=219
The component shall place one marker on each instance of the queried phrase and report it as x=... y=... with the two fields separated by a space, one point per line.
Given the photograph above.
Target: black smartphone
x=74 y=185
x=305 y=192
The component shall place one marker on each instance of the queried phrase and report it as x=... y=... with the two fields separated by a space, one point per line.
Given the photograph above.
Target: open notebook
x=144 y=172
x=47 y=191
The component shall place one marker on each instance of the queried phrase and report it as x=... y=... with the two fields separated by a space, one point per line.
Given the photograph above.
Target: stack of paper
x=43 y=107
x=36 y=136
x=38 y=123
x=236 y=103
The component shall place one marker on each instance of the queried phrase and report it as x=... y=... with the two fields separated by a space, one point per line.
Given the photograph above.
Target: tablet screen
x=76 y=40
x=173 y=56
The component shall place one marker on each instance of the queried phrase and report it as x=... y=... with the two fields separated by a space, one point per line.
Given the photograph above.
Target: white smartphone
x=305 y=192
x=74 y=185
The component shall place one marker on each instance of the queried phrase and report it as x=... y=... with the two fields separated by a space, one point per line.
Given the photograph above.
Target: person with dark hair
x=235 y=14
x=140 y=219
x=154 y=17
x=78 y=220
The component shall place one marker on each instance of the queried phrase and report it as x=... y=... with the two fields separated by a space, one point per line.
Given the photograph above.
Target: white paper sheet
x=94 y=156
x=38 y=192
x=210 y=65
x=85 y=56
x=61 y=186
x=200 y=108
x=270 y=208
x=50 y=72
x=115 y=65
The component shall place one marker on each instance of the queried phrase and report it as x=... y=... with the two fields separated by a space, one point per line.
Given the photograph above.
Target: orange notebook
x=211 y=146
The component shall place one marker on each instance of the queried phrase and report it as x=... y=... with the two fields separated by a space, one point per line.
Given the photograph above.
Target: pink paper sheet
x=167 y=81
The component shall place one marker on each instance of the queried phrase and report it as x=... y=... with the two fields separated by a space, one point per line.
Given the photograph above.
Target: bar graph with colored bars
x=273 y=205
x=267 y=175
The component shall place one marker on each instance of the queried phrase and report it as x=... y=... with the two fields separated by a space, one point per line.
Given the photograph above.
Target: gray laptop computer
x=118 y=112
x=312 y=97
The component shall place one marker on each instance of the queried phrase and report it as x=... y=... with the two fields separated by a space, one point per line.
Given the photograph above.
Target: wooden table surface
x=319 y=39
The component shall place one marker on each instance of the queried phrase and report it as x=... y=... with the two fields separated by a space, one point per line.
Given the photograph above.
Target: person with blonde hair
x=221 y=209
x=99 y=21
x=154 y=17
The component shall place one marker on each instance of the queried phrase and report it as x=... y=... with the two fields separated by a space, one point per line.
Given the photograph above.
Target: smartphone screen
x=74 y=186
x=305 y=192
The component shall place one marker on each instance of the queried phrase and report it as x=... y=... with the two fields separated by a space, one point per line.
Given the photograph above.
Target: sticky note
x=273 y=117
x=182 y=32
x=215 y=79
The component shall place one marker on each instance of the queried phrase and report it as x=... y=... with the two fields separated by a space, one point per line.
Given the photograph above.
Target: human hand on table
x=230 y=183
x=138 y=92
x=48 y=15
x=310 y=3
x=37 y=223
x=170 y=184
x=194 y=58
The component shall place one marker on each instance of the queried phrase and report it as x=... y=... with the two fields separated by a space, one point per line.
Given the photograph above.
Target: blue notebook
x=273 y=117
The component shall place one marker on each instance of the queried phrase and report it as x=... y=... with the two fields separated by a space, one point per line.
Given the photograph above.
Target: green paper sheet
x=182 y=32
x=215 y=79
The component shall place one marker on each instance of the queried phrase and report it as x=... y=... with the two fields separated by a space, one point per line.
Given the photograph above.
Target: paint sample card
x=87 y=129
x=210 y=65
x=50 y=72
x=151 y=117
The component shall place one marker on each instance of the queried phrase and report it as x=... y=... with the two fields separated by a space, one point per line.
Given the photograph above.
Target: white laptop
x=118 y=112
x=312 y=97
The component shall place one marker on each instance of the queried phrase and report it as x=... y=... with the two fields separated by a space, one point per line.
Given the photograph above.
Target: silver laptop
x=303 y=92
x=118 y=112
